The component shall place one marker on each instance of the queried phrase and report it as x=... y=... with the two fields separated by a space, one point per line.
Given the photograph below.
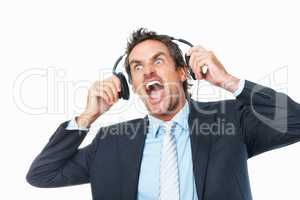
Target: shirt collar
x=181 y=119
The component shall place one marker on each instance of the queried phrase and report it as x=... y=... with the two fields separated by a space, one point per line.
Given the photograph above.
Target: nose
x=149 y=70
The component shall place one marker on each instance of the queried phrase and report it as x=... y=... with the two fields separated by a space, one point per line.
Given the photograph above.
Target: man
x=182 y=149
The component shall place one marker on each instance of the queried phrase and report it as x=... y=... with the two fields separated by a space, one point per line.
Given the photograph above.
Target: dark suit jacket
x=224 y=134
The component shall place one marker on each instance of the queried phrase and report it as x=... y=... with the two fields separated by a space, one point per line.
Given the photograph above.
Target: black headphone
x=124 y=93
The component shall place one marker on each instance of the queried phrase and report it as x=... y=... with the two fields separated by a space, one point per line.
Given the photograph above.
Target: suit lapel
x=200 y=144
x=131 y=145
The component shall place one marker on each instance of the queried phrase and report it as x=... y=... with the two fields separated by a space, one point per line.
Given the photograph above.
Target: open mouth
x=155 y=91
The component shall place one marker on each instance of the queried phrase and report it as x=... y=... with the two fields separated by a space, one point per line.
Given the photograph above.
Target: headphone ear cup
x=187 y=60
x=124 y=94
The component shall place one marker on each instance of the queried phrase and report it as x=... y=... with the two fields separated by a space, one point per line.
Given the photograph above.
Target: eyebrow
x=134 y=61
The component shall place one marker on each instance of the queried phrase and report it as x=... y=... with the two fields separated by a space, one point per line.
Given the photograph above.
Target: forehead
x=147 y=49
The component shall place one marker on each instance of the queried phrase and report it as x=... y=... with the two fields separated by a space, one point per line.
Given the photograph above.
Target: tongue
x=156 y=95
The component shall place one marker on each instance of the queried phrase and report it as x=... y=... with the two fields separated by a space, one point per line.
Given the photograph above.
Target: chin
x=160 y=108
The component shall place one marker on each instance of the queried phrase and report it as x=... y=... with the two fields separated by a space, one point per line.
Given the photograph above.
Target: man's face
x=155 y=78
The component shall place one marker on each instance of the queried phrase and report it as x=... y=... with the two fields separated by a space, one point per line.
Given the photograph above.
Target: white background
x=51 y=51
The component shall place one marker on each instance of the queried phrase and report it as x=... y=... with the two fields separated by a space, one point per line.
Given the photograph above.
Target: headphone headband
x=171 y=38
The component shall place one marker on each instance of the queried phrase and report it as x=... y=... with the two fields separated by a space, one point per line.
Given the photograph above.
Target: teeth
x=151 y=83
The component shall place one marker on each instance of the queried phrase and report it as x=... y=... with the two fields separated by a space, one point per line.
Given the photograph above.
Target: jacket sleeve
x=268 y=119
x=61 y=163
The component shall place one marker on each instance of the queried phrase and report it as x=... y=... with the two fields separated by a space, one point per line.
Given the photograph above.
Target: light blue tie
x=168 y=176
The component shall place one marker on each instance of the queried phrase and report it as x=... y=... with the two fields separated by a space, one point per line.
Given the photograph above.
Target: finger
x=197 y=72
x=197 y=48
x=104 y=96
x=108 y=91
x=199 y=55
x=97 y=92
x=194 y=66
x=202 y=68
x=113 y=90
x=200 y=51
x=99 y=88
x=116 y=81
x=113 y=94
x=195 y=58
x=203 y=64
x=197 y=69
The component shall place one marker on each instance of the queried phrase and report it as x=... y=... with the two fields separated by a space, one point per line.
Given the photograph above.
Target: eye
x=138 y=67
x=158 y=61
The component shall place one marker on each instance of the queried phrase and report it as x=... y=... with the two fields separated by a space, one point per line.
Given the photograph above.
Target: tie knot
x=169 y=126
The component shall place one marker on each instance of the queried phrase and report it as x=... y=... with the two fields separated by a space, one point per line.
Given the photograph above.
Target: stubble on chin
x=173 y=104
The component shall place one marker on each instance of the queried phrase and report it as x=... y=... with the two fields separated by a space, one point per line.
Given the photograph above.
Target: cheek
x=167 y=72
x=137 y=86
x=134 y=86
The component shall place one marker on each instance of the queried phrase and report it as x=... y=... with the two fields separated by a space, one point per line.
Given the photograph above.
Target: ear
x=182 y=73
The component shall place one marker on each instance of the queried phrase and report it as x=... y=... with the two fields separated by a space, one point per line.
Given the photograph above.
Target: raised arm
x=269 y=119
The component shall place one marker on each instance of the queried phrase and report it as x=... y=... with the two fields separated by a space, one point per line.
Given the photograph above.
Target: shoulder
x=126 y=128
x=215 y=107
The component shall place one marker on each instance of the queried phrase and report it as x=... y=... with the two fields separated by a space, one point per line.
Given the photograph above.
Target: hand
x=215 y=73
x=101 y=96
